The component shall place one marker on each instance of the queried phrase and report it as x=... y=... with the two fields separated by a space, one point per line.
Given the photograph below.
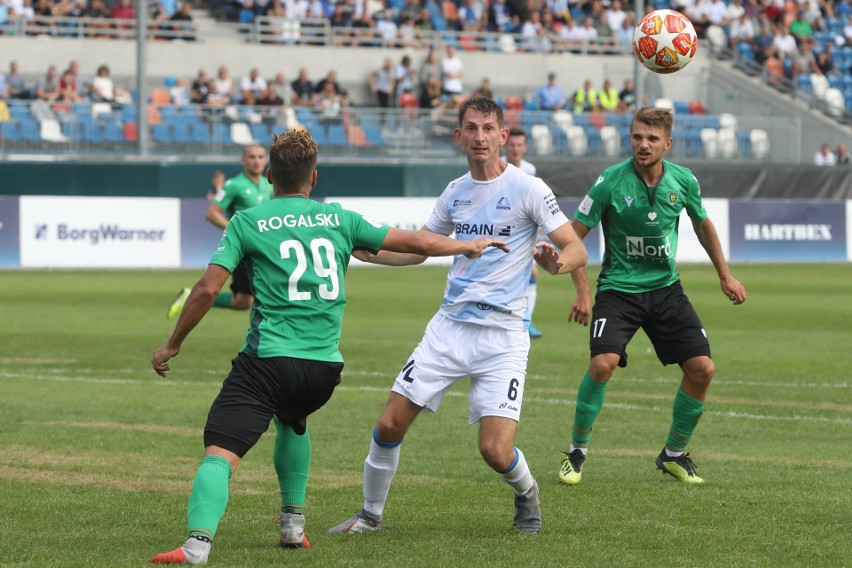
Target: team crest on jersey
x=503 y=204
x=672 y=197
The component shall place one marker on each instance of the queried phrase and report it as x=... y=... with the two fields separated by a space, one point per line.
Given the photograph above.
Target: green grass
x=99 y=452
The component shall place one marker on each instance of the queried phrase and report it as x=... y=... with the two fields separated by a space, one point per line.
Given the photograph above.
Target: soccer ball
x=664 y=41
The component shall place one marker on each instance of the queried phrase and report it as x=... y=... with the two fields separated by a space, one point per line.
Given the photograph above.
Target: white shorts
x=494 y=358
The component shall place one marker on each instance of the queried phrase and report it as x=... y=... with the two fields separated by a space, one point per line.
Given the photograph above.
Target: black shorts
x=666 y=315
x=242 y=278
x=256 y=389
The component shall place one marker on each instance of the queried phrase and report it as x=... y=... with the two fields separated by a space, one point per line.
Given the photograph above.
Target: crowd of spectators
x=70 y=86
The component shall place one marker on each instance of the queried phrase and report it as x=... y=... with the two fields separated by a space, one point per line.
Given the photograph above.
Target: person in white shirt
x=452 y=72
x=480 y=330
x=825 y=157
x=252 y=86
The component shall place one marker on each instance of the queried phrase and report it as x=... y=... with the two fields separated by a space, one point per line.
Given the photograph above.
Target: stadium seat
x=610 y=140
x=717 y=38
x=241 y=134
x=835 y=103
x=9 y=131
x=101 y=108
x=131 y=131
x=51 y=131
x=727 y=142
x=181 y=132
x=507 y=43
x=710 y=142
x=200 y=133
x=727 y=120
x=563 y=119
x=162 y=133
x=664 y=103
x=759 y=143
x=542 y=141
x=577 y=141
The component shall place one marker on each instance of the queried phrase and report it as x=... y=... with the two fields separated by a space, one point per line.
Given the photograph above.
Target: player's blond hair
x=655 y=117
x=292 y=160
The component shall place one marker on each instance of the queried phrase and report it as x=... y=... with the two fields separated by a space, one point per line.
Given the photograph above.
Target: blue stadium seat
x=181 y=133
x=593 y=135
x=681 y=107
x=746 y=52
x=92 y=132
x=373 y=134
x=803 y=81
x=693 y=142
x=260 y=132
x=19 y=111
x=162 y=133
x=200 y=133
x=337 y=135
x=744 y=146
x=113 y=132
x=10 y=131
x=221 y=134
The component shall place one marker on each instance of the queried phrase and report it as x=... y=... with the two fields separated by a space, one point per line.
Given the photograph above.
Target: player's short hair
x=517 y=131
x=292 y=160
x=655 y=117
x=248 y=147
x=485 y=105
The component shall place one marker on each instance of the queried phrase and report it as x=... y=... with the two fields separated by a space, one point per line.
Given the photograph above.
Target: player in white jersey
x=515 y=148
x=480 y=331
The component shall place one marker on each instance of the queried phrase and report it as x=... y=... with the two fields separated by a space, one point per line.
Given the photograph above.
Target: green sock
x=685 y=415
x=223 y=300
x=209 y=496
x=292 y=459
x=590 y=399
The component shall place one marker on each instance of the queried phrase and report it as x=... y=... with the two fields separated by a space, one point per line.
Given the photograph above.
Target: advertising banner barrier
x=99 y=232
x=198 y=236
x=10 y=248
x=787 y=231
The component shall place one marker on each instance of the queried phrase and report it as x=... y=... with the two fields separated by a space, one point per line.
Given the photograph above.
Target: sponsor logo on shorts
x=507 y=406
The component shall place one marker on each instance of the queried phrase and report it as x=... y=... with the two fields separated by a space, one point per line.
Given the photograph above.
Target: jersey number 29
x=324 y=264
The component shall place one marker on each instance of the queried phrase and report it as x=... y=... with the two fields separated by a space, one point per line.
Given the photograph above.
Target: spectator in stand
x=430 y=66
x=607 y=97
x=123 y=10
x=16 y=85
x=800 y=28
x=734 y=11
x=200 y=88
x=303 y=89
x=536 y=35
x=627 y=97
x=214 y=97
x=104 y=90
x=252 y=86
x=785 y=43
x=585 y=99
x=182 y=22
x=741 y=31
x=615 y=17
x=424 y=20
x=499 y=18
x=410 y=8
x=329 y=105
x=4 y=88
x=698 y=13
x=386 y=27
x=805 y=61
x=754 y=10
x=825 y=59
x=94 y=11
x=270 y=97
x=68 y=87
x=588 y=33
x=452 y=72
x=717 y=13
x=572 y=34
x=470 y=15
x=330 y=77
x=179 y=93
x=431 y=94
x=847 y=31
x=624 y=34
x=224 y=84
x=484 y=89
x=381 y=82
x=404 y=74
x=774 y=68
x=282 y=88
x=842 y=155
x=550 y=95
x=407 y=32
x=48 y=88
x=825 y=157
x=763 y=43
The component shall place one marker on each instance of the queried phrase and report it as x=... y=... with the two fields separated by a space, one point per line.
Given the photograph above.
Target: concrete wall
x=510 y=74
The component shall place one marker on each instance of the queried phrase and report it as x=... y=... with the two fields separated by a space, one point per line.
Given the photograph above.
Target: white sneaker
x=293 y=531
x=360 y=523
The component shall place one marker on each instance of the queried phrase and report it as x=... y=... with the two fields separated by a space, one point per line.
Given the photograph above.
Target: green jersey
x=240 y=193
x=640 y=224
x=300 y=250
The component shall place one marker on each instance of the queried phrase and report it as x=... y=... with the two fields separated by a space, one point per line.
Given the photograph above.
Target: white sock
x=532 y=294
x=572 y=448
x=518 y=475
x=379 y=469
x=672 y=454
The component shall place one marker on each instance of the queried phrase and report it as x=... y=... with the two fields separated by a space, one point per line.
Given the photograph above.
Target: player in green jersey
x=289 y=364
x=638 y=203
x=248 y=189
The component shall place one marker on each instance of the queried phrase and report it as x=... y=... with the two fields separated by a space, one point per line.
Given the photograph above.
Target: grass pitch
x=100 y=452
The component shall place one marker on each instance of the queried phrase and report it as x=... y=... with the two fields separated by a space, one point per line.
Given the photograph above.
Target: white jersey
x=491 y=290
x=525 y=166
